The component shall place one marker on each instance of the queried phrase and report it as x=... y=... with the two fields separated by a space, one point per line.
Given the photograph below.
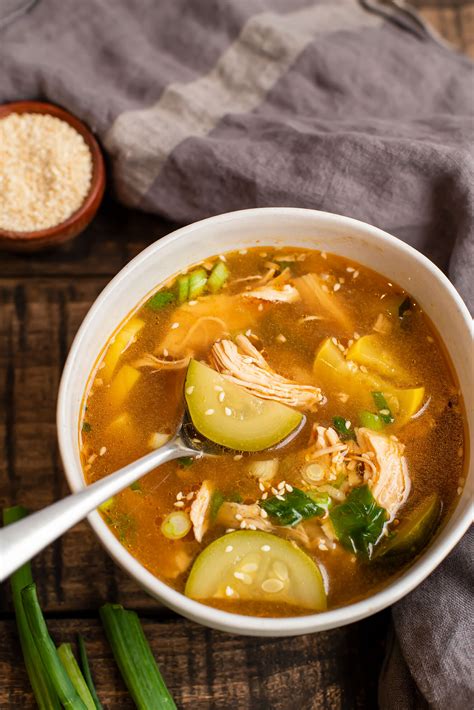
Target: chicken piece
x=390 y=484
x=172 y=567
x=232 y=515
x=201 y=324
x=276 y=290
x=200 y=510
x=241 y=363
x=316 y=295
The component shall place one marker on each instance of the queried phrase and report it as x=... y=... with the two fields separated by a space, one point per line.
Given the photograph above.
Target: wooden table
x=43 y=299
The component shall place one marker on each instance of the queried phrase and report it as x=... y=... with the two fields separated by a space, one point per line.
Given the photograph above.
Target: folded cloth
x=206 y=107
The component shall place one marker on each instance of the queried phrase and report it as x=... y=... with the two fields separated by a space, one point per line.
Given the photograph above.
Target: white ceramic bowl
x=268 y=227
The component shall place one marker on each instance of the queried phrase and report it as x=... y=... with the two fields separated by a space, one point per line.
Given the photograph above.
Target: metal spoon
x=21 y=541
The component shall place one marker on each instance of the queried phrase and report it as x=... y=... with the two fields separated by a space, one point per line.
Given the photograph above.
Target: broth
x=315 y=334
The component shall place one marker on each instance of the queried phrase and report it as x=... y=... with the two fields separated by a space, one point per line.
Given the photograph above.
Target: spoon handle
x=21 y=541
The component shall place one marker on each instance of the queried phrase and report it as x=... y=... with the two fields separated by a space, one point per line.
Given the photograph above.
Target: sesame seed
x=363 y=369
x=356 y=335
x=174 y=326
x=348 y=424
x=165 y=352
x=221 y=396
x=336 y=287
x=247 y=360
x=274 y=491
x=325 y=288
x=265 y=548
x=218 y=388
x=222 y=257
x=350 y=269
x=459 y=491
x=263 y=513
x=261 y=486
x=248 y=333
x=208 y=412
x=228 y=411
x=264 y=496
x=237 y=457
x=252 y=526
x=179 y=496
x=355 y=274
x=242 y=251
x=334 y=340
x=192 y=303
x=190 y=389
x=280 y=497
x=260 y=306
x=102 y=451
x=190 y=496
x=289 y=487
x=238 y=517
x=229 y=548
x=324 y=255
x=281 y=338
x=179 y=504
x=229 y=592
x=243 y=525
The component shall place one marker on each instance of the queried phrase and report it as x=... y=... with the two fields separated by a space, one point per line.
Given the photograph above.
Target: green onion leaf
x=74 y=672
x=295 y=507
x=344 y=432
x=183 y=288
x=359 y=521
x=86 y=427
x=218 y=277
x=136 y=486
x=160 y=300
x=371 y=420
x=404 y=306
x=216 y=501
x=43 y=690
x=86 y=671
x=197 y=283
x=46 y=649
x=135 y=659
x=383 y=409
x=186 y=461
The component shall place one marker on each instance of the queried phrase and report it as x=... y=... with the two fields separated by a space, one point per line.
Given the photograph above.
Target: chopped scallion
x=197 y=283
x=383 y=409
x=160 y=300
x=345 y=432
x=371 y=420
x=216 y=501
x=185 y=461
x=218 y=277
x=135 y=659
x=183 y=288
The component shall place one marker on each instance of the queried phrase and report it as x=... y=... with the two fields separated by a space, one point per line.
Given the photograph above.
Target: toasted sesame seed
x=208 y=412
x=179 y=504
x=281 y=485
x=261 y=486
x=228 y=411
x=222 y=257
x=243 y=525
x=248 y=333
x=272 y=585
x=229 y=592
x=174 y=325
x=355 y=274
x=190 y=496
x=289 y=487
x=274 y=491
x=265 y=548
x=102 y=451
x=190 y=389
x=280 y=497
x=237 y=457
x=348 y=424
x=229 y=548
x=336 y=287
x=179 y=496
x=263 y=513
x=350 y=269
x=324 y=255
x=165 y=352
x=260 y=306
x=356 y=335
x=281 y=338
x=252 y=526
x=264 y=496
x=238 y=517
x=192 y=303
x=218 y=388
x=363 y=369
x=221 y=396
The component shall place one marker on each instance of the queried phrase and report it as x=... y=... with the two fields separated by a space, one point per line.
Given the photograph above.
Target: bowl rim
x=195 y=610
x=97 y=186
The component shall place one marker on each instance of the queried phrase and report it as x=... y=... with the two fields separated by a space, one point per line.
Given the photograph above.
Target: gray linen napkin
x=207 y=106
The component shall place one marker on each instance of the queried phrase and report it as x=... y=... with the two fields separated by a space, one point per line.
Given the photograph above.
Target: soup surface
x=261 y=343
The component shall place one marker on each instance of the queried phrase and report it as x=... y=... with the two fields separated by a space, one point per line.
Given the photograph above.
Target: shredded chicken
x=200 y=510
x=277 y=289
x=390 y=485
x=179 y=563
x=198 y=324
x=317 y=296
x=243 y=364
x=159 y=363
x=232 y=515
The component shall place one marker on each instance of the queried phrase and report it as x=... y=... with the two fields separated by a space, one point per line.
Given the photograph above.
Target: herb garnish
x=344 y=432
x=359 y=521
x=160 y=300
x=383 y=409
x=86 y=427
x=294 y=507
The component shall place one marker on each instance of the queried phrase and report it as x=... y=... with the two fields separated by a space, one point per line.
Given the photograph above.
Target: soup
x=337 y=417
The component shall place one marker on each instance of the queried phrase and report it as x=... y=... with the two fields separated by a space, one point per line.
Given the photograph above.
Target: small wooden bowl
x=78 y=221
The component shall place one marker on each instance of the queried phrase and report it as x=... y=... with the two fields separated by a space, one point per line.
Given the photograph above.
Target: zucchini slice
x=229 y=416
x=414 y=532
x=258 y=566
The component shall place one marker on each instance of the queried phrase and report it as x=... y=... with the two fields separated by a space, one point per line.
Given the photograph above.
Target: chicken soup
x=337 y=418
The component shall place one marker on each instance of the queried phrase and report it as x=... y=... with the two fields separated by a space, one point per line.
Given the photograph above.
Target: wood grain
x=206 y=669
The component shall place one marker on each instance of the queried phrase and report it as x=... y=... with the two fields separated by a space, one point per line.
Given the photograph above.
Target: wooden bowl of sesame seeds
x=52 y=176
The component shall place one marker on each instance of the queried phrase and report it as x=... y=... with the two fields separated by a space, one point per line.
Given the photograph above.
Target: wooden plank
x=207 y=669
